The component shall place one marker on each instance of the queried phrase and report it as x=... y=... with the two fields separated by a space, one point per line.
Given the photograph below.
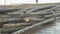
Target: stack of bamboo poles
x=12 y=22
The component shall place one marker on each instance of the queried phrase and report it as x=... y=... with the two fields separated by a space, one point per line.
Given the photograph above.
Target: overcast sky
x=8 y=2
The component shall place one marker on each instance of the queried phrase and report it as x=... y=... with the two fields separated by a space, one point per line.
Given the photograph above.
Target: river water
x=50 y=28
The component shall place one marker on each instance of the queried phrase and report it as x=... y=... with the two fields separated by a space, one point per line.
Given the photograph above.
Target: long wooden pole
x=35 y=25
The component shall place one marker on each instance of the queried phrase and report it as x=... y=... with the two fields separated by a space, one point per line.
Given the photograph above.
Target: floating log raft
x=10 y=21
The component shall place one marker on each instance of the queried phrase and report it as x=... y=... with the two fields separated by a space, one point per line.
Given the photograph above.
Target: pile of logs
x=12 y=22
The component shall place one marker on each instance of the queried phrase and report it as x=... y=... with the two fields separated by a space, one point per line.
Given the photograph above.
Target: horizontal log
x=9 y=21
x=40 y=12
x=3 y=15
x=35 y=9
x=17 y=25
x=27 y=14
x=3 y=11
x=32 y=19
x=48 y=16
x=21 y=11
x=9 y=30
x=27 y=19
x=33 y=26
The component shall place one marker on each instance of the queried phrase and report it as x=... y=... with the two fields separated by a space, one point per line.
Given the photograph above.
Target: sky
x=9 y=2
